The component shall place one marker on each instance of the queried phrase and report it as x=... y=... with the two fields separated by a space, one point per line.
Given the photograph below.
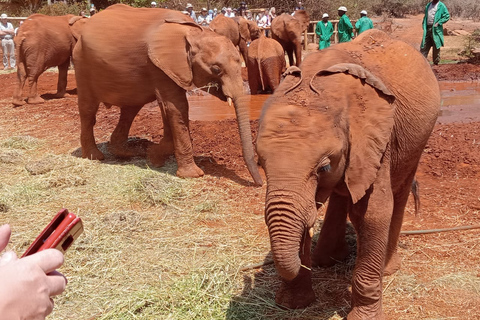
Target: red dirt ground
x=448 y=174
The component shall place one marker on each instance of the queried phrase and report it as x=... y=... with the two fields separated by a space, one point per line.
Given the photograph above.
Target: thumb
x=7 y=257
x=4 y=236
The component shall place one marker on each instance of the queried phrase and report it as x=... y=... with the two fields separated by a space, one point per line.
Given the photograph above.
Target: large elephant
x=350 y=125
x=160 y=55
x=43 y=42
x=266 y=63
x=238 y=29
x=288 y=30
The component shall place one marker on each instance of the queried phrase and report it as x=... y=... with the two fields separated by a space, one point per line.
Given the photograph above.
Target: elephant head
x=193 y=56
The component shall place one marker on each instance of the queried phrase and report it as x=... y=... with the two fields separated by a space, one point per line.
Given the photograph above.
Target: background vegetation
x=458 y=8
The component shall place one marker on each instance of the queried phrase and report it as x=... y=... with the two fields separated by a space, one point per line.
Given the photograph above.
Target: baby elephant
x=266 y=63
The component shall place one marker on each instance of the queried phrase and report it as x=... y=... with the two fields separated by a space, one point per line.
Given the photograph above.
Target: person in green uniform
x=436 y=14
x=345 y=28
x=364 y=23
x=324 y=30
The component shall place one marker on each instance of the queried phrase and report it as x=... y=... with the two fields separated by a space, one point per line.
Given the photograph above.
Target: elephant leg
x=253 y=76
x=331 y=245
x=118 y=141
x=175 y=106
x=159 y=153
x=371 y=218
x=290 y=55
x=88 y=111
x=21 y=76
x=298 y=293
x=393 y=260
x=62 y=79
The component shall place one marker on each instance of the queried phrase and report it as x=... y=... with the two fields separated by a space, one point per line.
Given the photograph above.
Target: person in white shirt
x=204 y=19
x=7 y=32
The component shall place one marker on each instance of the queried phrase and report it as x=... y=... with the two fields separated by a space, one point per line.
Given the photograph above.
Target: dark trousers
x=429 y=43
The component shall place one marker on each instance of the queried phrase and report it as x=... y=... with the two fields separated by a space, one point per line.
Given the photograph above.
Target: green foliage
x=61 y=9
x=471 y=51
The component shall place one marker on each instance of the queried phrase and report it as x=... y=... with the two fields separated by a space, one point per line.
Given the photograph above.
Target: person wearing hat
x=324 y=30
x=7 y=33
x=436 y=14
x=204 y=19
x=364 y=23
x=229 y=13
x=191 y=13
x=345 y=28
x=153 y=4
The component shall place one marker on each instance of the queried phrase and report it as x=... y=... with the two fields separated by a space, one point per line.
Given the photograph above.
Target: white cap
x=204 y=9
x=342 y=8
x=189 y=5
x=363 y=12
x=153 y=3
x=325 y=15
x=4 y=16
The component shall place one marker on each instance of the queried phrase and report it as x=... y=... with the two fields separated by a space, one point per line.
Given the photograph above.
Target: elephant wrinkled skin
x=43 y=42
x=160 y=55
x=350 y=125
x=266 y=63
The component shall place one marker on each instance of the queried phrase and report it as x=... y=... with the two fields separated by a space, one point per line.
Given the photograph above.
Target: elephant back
x=226 y=27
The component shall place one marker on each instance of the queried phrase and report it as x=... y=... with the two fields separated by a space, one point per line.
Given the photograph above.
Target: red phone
x=60 y=233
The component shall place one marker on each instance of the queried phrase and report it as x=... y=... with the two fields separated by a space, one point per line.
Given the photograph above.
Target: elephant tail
x=416 y=195
x=259 y=63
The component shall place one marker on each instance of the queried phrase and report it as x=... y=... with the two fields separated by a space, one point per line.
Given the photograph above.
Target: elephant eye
x=216 y=70
x=325 y=168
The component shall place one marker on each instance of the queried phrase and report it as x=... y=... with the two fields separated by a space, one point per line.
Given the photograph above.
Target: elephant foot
x=296 y=294
x=157 y=154
x=189 y=171
x=18 y=102
x=393 y=265
x=368 y=312
x=35 y=100
x=59 y=95
x=326 y=255
x=93 y=154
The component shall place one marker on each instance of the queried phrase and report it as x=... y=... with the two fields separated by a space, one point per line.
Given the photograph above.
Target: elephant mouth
x=215 y=89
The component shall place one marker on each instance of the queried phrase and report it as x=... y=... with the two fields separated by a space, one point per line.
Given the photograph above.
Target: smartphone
x=60 y=233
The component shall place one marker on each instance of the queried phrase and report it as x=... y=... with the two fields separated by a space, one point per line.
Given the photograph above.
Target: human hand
x=27 y=284
x=435 y=25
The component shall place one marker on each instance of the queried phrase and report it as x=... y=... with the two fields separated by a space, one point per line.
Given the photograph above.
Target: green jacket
x=345 y=29
x=363 y=24
x=324 y=33
x=441 y=16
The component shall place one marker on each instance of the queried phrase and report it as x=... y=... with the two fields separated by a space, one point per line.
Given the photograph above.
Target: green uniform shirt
x=441 y=16
x=345 y=29
x=324 y=33
x=363 y=24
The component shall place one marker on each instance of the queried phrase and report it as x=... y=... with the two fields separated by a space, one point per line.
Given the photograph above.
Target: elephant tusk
x=310 y=232
x=229 y=100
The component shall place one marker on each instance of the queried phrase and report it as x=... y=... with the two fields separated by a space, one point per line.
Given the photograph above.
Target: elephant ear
x=168 y=49
x=76 y=24
x=292 y=78
x=371 y=124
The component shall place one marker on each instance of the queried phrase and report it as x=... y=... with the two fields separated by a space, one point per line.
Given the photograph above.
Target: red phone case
x=60 y=233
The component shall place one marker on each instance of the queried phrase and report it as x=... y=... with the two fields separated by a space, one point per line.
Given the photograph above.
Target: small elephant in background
x=266 y=63
x=43 y=42
x=288 y=30
x=350 y=126
x=238 y=29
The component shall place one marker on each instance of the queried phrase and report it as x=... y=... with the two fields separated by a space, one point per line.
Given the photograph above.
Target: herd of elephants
x=348 y=123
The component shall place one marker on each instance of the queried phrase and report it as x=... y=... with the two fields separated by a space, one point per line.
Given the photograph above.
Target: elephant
x=238 y=29
x=350 y=126
x=266 y=63
x=43 y=42
x=288 y=30
x=160 y=56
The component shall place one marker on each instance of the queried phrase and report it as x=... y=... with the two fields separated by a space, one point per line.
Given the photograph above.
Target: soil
x=448 y=174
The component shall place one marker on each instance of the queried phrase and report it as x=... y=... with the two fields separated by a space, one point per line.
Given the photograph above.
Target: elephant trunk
x=286 y=228
x=243 y=118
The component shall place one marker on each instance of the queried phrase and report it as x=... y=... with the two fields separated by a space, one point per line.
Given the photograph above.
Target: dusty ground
x=449 y=178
